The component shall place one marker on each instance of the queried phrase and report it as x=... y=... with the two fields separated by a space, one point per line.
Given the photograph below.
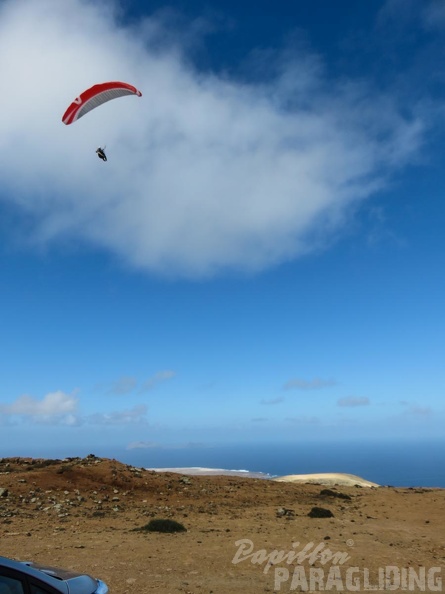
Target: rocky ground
x=242 y=535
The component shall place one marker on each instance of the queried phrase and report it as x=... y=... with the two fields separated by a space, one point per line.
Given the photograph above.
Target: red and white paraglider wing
x=95 y=96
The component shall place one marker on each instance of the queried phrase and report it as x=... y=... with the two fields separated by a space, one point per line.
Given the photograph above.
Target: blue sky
x=261 y=258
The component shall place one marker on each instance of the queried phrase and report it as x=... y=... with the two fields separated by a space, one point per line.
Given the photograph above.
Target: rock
x=285 y=512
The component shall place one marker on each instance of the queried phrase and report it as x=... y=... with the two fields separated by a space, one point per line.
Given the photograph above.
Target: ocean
x=397 y=464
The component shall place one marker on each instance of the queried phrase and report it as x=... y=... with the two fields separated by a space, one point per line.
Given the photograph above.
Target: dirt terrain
x=243 y=535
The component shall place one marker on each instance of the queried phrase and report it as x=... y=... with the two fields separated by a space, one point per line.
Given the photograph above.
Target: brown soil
x=87 y=514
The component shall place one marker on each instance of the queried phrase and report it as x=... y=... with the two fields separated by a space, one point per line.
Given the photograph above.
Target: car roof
x=63 y=580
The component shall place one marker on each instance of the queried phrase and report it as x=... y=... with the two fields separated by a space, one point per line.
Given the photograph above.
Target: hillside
x=86 y=514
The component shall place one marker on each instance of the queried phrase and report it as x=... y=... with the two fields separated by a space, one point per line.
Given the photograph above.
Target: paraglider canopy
x=95 y=96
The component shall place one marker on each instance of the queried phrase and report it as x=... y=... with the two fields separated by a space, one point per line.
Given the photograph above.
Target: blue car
x=23 y=577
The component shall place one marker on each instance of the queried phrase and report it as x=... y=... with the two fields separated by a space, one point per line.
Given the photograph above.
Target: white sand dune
x=328 y=479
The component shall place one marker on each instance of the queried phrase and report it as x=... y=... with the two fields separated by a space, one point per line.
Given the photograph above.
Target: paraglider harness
x=101 y=154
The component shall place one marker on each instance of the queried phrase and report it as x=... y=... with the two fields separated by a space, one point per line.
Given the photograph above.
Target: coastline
x=325 y=478
x=202 y=471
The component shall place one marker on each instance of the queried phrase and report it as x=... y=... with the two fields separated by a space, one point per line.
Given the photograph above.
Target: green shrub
x=163 y=525
x=331 y=493
x=320 y=512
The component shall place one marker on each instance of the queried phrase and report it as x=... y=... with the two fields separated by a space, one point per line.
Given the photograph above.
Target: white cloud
x=127 y=384
x=204 y=173
x=55 y=407
x=123 y=385
x=59 y=408
x=399 y=13
x=157 y=378
x=434 y=14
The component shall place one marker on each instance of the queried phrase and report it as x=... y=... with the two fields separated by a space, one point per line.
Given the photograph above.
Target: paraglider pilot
x=101 y=154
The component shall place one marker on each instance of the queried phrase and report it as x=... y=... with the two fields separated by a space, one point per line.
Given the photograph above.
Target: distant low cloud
x=353 y=401
x=303 y=420
x=135 y=415
x=206 y=173
x=156 y=379
x=414 y=410
x=142 y=445
x=277 y=400
x=421 y=412
x=314 y=384
x=195 y=445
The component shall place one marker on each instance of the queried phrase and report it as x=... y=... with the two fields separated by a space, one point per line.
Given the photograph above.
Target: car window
x=37 y=589
x=9 y=585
